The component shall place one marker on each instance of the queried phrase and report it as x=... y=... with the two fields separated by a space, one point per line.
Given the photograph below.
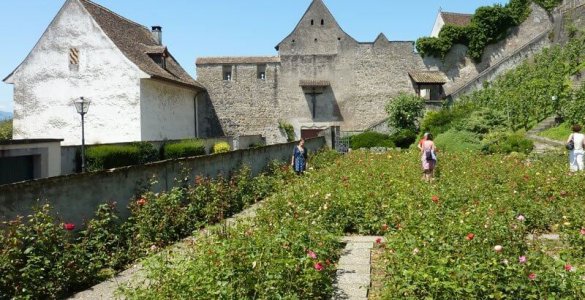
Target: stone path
x=542 y=144
x=353 y=270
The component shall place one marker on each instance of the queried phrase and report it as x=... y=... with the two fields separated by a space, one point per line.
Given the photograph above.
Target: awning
x=428 y=77
x=314 y=83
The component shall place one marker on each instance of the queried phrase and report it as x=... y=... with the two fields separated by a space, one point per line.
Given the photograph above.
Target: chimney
x=157 y=34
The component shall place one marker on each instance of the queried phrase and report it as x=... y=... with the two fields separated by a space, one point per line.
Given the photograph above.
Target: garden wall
x=69 y=162
x=75 y=197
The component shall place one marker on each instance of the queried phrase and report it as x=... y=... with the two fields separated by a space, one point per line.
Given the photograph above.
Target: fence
x=75 y=197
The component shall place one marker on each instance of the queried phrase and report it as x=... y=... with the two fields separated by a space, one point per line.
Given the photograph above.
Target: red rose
x=319 y=266
x=379 y=241
x=435 y=198
x=68 y=226
x=470 y=236
x=532 y=276
x=568 y=267
x=141 y=201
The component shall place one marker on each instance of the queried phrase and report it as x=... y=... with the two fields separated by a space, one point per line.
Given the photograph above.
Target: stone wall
x=75 y=197
x=460 y=69
x=245 y=105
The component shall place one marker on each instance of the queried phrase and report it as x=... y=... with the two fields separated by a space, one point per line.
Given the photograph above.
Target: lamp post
x=82 y=106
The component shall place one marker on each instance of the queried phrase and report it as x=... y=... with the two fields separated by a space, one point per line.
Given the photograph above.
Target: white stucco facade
x=44 y=85
x=167 y=111
x=439 y=23
x=126 y=105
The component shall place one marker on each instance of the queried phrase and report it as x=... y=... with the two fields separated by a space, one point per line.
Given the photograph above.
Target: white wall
x=439 y=23
x=167 y=110
x=44 y=87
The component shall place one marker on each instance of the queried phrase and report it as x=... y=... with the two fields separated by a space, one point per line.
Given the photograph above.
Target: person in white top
x=576 y=155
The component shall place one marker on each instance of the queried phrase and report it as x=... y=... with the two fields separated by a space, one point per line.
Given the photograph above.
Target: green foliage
x=40 y=259
x=147 y=152
x=489 y=25
x=507 y=142
x=6 y=130
x=549 y=5
x=288 y=130
x=403 y=138
x=184 y=148
x=221 y=147
x=457 y=140
x=524 y=95
x=559 y=133
x=437 y=122
x=404 y=111
x=573 y=109
x=482 y=121
x=370 y=139
x=111 y=156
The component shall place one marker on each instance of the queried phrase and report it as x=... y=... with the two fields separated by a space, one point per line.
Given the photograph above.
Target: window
x=312 y=22
x=322 y=22
x=261 y=72
x=160 y=59
x=227 y=73
x=73 y=59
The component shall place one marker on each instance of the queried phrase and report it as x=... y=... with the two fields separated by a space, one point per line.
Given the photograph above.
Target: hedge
x=185 y=148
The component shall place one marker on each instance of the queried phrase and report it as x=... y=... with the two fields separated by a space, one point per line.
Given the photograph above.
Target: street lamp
x=82 y=105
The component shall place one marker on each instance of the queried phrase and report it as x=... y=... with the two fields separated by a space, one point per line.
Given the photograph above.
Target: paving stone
x=350 y=293
x=360 y=245
x=360 y=269
x=360 y=239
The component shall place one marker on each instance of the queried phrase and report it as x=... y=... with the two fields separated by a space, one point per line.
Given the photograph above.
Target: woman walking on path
x=428 y=157
x=299 y=158
x=576 y=154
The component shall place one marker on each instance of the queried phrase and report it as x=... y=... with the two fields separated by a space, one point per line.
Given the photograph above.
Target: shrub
x=482 y=121
x=111 y=156
x=288 y=129
x=404 y=111
x=456 y=140
x=6 y=130
x=185 y=148
x=507 y=142
x=403 y=138
x=221 y=147
x=147 y=152
x=370 y=139
x=437 y=122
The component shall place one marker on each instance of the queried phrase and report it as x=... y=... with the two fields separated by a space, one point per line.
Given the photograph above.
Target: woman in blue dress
x=299 y=158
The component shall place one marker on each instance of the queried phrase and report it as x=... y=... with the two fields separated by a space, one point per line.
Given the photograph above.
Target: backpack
x=429 y=154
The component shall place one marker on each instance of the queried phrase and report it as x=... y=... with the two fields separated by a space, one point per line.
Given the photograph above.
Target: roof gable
x=138 y=44
x=457 y=19
x=316 y=26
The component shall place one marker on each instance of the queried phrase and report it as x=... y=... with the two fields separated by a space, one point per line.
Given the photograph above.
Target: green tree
x=404 y=111
x=6 y=130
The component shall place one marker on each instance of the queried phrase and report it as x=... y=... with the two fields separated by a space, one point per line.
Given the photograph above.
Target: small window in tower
x=73 y=59
x=227 y=73
x=261 y=70
x=312 y=22
x=322 y=22
x=315 y=40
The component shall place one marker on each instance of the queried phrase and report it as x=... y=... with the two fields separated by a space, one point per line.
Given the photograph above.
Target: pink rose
x=311 y=254
x=582 y=231
x=568 y=268
x=532 y=276
x=470 y=236
x=319 y=266
x=521 y=218
x=522 y=259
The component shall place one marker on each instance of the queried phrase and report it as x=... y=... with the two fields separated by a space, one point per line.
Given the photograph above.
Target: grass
x=559 y=133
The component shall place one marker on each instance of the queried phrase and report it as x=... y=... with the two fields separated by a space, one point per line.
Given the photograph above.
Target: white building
x=444 y=18
x=137 y=89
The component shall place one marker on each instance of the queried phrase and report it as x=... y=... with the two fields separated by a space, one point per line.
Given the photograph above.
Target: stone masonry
x=323 y=77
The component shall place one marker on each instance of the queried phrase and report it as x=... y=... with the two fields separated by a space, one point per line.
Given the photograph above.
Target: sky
x=198 y=28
